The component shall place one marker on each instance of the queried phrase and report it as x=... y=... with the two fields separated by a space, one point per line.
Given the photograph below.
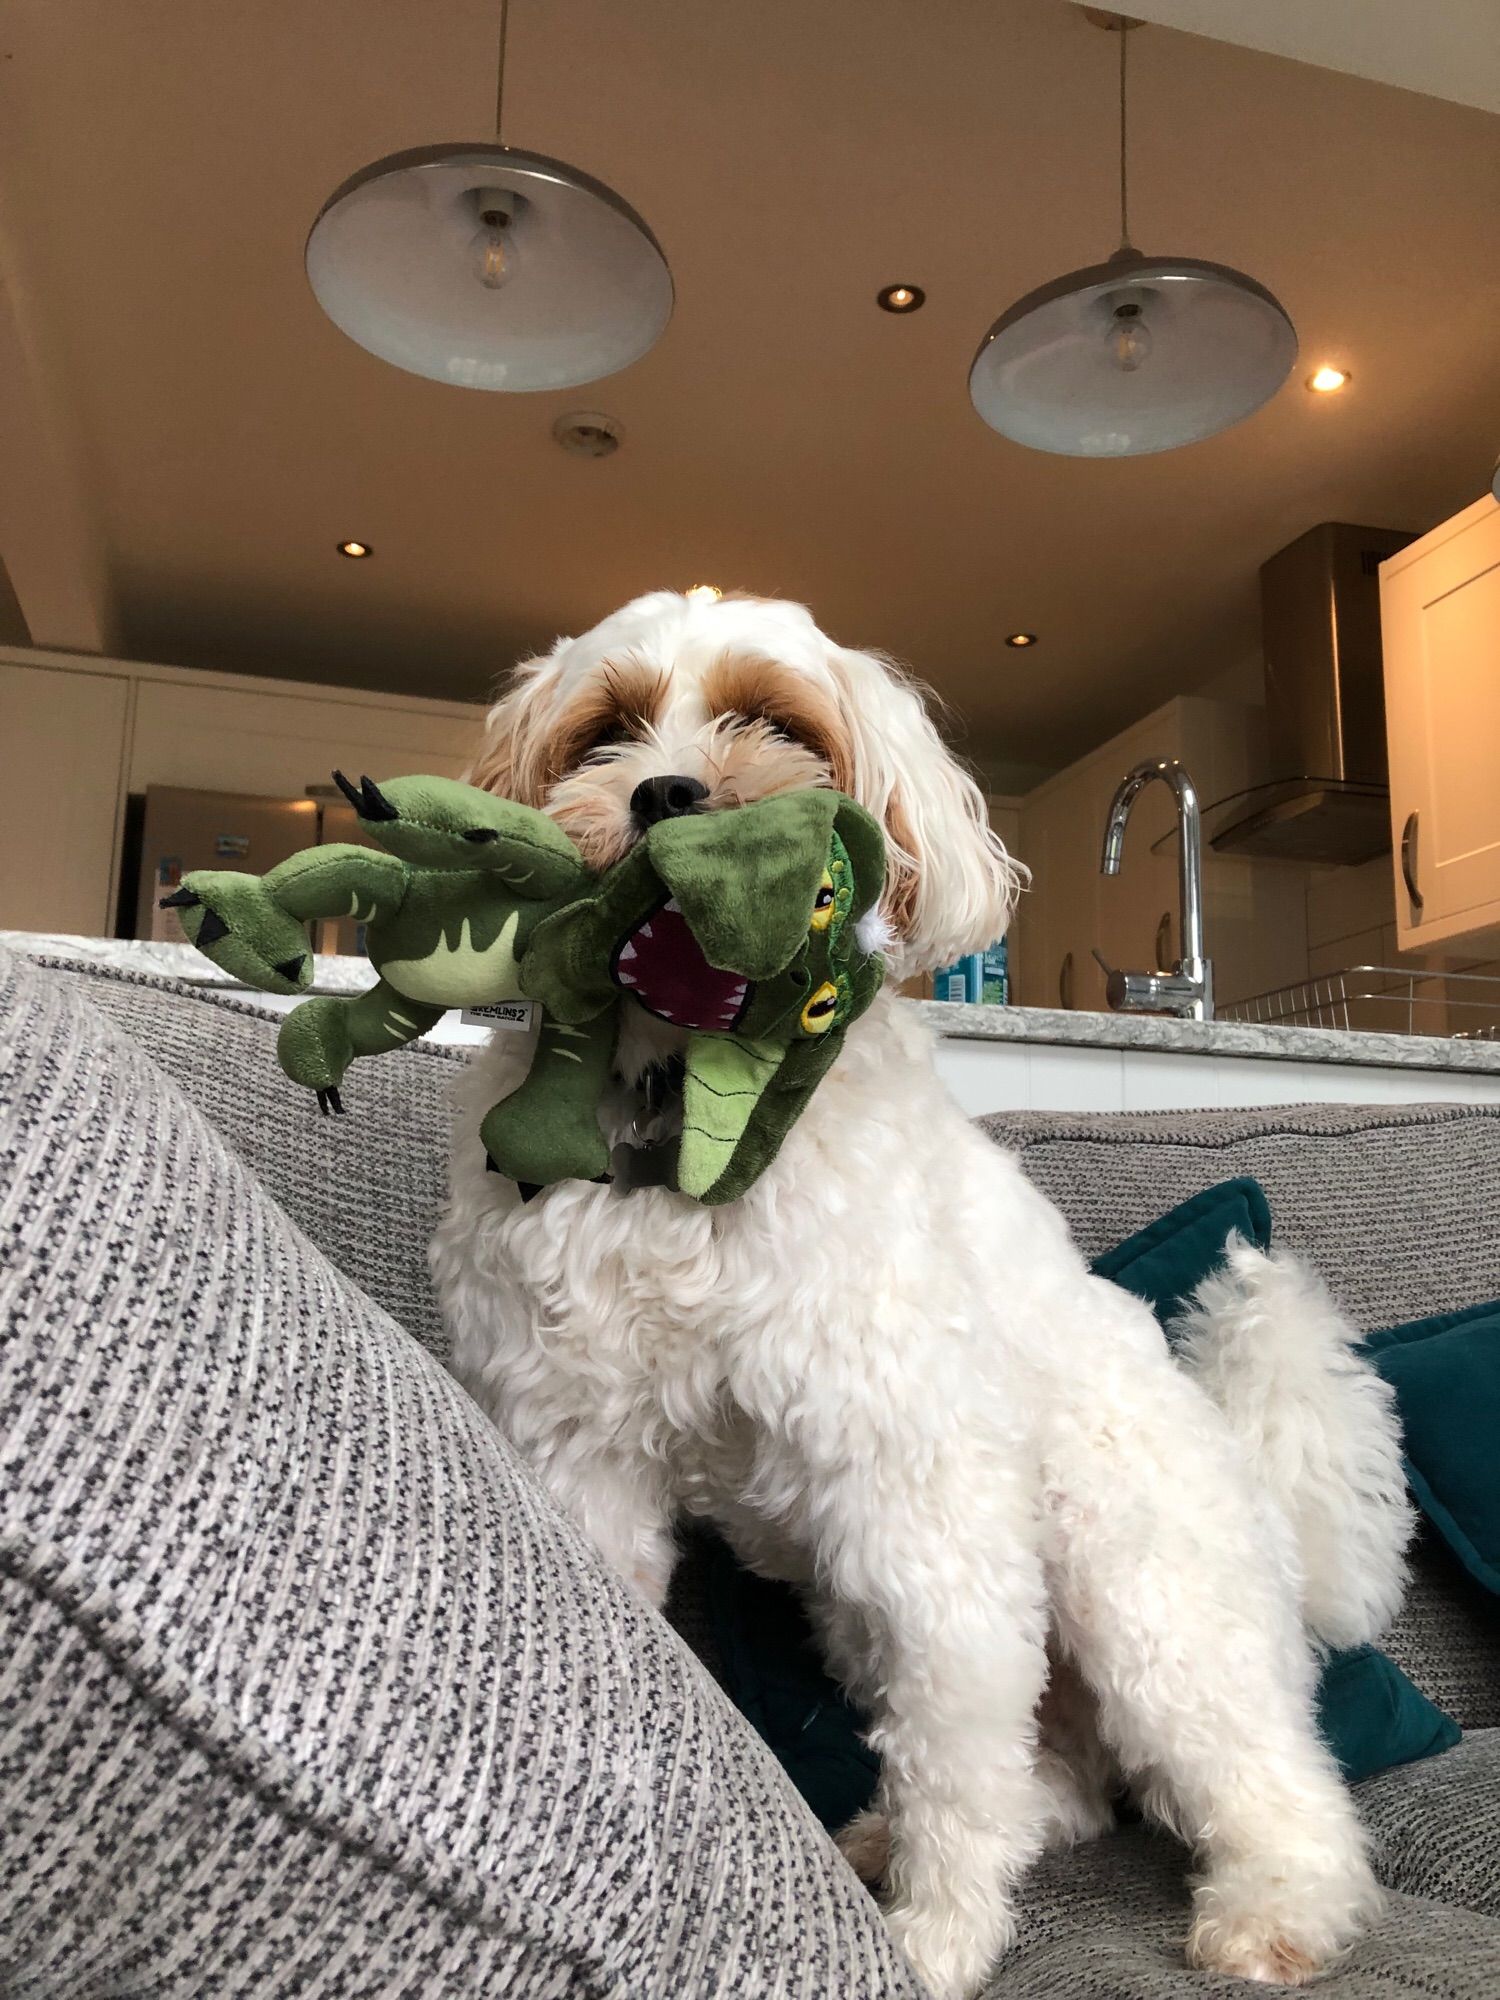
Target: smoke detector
x=588 y=433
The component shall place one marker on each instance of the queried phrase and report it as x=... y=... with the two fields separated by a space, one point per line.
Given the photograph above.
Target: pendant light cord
x=1124 y=34
x=500 y=69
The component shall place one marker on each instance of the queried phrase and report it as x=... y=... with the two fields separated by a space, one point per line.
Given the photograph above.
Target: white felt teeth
x=627 y=952
x=644 y=931
x=625 y=978
x=673 y=904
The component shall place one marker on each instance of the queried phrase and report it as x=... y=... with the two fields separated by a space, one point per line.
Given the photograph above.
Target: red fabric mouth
x=661 y=963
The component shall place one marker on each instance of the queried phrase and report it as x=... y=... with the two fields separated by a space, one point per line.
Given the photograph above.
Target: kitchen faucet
x=1189 y=989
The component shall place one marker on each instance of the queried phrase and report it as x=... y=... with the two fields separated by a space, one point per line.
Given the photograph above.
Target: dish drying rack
x=1382 y=999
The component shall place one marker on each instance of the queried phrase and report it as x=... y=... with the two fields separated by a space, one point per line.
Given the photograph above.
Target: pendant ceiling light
x=489 y=268
x=1135 y=355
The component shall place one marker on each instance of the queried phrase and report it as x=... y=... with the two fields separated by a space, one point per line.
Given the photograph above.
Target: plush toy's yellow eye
x=822 y=915
x=817 y=1011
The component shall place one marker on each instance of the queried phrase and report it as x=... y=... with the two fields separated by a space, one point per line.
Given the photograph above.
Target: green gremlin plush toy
x=741 y=927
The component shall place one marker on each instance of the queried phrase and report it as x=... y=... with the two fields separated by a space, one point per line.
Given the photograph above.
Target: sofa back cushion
x=304 y=1681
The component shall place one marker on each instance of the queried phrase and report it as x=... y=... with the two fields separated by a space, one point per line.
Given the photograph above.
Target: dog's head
x=676 y=704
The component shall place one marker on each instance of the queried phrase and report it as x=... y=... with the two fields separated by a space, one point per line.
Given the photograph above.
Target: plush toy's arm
x=253 y=926
x=339 y=881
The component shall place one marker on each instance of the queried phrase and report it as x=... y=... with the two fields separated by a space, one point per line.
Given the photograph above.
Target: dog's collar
x=648 y=1158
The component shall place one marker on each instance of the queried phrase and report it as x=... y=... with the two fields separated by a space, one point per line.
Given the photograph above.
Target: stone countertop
x=1036 y=1026
x=1164 y=1034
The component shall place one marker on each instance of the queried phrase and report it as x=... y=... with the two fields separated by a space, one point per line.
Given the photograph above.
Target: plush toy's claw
x=211 y=930
x=350 y=792
x=329 y=1100
x=291 y=968
x=180 y=899
x=374 y=805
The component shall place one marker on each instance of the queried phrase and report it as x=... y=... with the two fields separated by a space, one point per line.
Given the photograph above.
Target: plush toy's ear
x=865 y=845
x=746 y=880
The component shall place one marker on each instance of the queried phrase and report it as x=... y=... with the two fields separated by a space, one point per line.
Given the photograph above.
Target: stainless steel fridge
x=183 y=830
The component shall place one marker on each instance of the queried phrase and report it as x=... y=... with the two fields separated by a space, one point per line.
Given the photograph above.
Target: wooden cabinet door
x=1440 y=622
x=62 y=754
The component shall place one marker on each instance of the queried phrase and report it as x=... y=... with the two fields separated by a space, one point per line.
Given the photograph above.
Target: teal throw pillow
x=1165 y=1262
x=1372 y=1717
x=1446 y=1375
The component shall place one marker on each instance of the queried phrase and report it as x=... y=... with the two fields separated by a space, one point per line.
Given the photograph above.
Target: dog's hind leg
x=1177 y=1598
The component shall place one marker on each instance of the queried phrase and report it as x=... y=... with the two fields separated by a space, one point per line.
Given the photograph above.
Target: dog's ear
x=951 y=887
x=511 y=760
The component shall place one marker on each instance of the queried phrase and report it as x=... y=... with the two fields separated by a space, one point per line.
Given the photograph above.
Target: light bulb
x=1128 y=338
x=494 y=257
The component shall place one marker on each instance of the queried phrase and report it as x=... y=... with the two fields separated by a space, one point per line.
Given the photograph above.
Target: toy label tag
x=502 y=1014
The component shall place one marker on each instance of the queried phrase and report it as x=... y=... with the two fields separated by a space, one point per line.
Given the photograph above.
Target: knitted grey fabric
x=306 y=1688
x=366 y=1187
x=1381 y=1200
x=1106 y=1920
x=1436 y=1826
x=1393 y=1206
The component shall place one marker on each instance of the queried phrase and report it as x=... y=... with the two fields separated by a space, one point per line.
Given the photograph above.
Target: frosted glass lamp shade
x=569 y=287
x=1137 y=355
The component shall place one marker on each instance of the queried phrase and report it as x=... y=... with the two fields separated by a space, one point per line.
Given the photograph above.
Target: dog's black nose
x=666 y=798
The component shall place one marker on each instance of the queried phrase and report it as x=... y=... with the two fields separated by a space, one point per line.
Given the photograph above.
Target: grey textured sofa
x=305 y=1687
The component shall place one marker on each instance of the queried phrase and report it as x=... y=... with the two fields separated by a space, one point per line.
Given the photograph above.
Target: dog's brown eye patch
x=761 y=690
x=616 y=709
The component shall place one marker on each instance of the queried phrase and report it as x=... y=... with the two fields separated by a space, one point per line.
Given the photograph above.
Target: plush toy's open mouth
x=662 y=964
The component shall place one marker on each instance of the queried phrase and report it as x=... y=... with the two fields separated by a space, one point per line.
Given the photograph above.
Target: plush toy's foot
x=329 y=1100
x=238 y=925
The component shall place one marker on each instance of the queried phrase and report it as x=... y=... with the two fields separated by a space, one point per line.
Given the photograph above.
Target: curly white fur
x=888 y=1375
x=1318 y=1428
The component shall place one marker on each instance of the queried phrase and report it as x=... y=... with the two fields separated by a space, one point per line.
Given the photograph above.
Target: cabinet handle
x=1065 y=981
x=1409 y=862
x=1164 y=942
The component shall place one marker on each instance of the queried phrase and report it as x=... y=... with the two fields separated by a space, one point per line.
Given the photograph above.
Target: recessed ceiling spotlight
x=355 y=549
x=704 y=593
x=901 y=298
x=1325 y=380
x=1020 y=638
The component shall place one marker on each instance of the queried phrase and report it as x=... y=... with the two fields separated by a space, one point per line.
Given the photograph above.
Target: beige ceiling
x=160 y=163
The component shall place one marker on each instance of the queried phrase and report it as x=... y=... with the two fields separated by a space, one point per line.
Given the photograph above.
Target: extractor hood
x=1328 y=796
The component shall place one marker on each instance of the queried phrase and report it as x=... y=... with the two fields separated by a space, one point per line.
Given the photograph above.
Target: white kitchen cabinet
x=62 y=755
x=1440 y=627
x=78 y=735
x=1255 y=914
x=278 y=740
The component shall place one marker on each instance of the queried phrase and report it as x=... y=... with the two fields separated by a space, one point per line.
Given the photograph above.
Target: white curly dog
x=1037 y=1549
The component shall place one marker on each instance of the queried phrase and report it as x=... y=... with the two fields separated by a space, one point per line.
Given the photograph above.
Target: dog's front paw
x=865 y=1844
x=950 y=1955
x=1281 y=1926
